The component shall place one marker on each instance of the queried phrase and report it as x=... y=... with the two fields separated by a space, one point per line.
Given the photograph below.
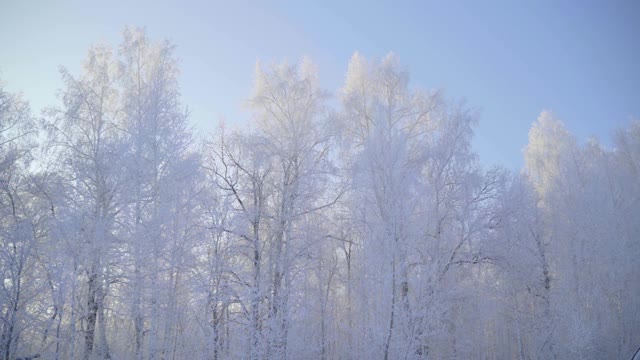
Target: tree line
x=363 y=230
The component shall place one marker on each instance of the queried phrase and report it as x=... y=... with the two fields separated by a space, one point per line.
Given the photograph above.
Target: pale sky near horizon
x=509 y=59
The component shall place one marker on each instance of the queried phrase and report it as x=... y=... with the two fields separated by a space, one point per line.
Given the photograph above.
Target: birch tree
x=156 y=129
x=88 y=147
x=19 y=228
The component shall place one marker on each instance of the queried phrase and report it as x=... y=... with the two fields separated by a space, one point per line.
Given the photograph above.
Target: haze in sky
x=507 y=59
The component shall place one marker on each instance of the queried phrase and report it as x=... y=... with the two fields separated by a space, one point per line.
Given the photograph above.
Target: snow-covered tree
x=360 y=228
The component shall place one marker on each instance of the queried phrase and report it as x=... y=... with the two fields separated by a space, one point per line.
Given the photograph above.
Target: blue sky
x=511 y=59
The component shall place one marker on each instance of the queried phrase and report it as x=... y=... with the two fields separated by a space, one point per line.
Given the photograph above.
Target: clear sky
x=511 y=59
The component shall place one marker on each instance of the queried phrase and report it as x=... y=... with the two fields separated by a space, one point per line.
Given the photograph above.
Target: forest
x=352 y=224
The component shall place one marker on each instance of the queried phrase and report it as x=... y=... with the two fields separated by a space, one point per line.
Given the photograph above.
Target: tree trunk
x=393 y=310
x=103 y=349
x=92 y=313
